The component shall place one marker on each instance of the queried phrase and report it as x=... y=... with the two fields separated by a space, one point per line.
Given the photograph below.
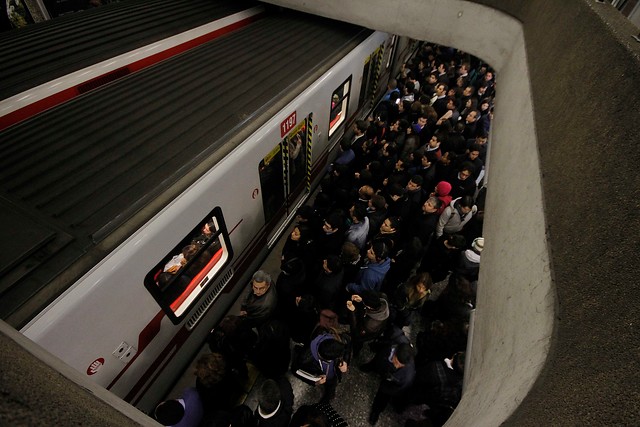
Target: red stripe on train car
x=65 y=95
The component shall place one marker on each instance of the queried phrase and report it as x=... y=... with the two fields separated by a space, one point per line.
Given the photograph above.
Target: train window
x=188 y=270
x=390 y=50
x=339 y=102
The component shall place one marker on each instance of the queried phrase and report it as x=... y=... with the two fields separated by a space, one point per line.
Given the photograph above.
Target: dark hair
x=417 y=179
x=380 y=248
x=457 y=240
x=395 y=222
x=169 y=412
x=378 y=202
x=330 y=349
x=405 y=353
x=359 y=211
x=396 y=190
x=334 y=220
x=371 y=299
x=361 y=125
x=466 y=201
x=467 y=166
x=269 y=396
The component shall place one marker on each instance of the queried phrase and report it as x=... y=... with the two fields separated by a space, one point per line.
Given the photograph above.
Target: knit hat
x=443 y=188
x=478 y=245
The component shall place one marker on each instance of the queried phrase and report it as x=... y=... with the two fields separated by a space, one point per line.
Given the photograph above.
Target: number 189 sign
x=288 y=124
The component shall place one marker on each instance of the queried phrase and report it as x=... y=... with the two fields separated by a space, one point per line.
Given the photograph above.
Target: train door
x=284 y=176
x=370 y=75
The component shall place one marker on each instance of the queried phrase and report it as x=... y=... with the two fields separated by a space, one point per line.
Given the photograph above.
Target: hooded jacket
x=452 y=219
x=370 y=277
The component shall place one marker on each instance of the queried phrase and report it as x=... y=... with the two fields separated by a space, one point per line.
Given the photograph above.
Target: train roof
x=78 y=179
x=42 y=52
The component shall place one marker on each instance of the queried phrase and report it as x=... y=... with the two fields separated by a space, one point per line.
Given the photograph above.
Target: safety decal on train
x=95 y=366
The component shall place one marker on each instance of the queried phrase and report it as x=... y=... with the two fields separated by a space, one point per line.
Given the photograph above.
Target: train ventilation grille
x=217 y=289
x=103 y=80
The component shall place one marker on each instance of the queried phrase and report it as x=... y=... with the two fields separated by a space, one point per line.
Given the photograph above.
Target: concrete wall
x=555 y=341
x=38 y=389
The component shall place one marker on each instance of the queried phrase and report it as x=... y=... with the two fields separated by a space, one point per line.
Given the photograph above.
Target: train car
x=52 y=62
x=140 y=210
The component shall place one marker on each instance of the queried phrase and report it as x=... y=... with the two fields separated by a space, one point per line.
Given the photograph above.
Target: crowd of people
x=398 y=216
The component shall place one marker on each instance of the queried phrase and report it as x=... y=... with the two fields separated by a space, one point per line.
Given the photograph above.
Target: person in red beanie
x=442 y=190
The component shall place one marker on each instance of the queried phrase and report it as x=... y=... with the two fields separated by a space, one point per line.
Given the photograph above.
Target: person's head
x=403 y=355
x=260 y=282
x=396 y=192
x=466 y=170
x=190 y=251
x=358 y=213
x=169 y=412
x=378 y=251
x=377 y=202
x=468 y=91
x=393 y=84
x=474 y=151
x=390 y=225
x=431 y=205
x=268 y=397
x=455 y=241
x=481 y=139
x=330 y=350
x=295 y=234
x=466 y=204
x=485 y=104
x=425 y=161
x=349 y=253
x=472 y=116
x=360 y=127
x=371 y=300
x=432 y=79
x=457 y=362
x=477 y=245
x=332 y=223
x=415 y=183
x=434 y=142
x=420 y=283
x=441 y=89
x=422 y=120
x=443 y=188
x=208 y=228
x=210 y=369
x=451 y=103
x=365 y=192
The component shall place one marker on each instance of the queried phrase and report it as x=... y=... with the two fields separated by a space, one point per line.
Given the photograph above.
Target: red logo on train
x=95 y=366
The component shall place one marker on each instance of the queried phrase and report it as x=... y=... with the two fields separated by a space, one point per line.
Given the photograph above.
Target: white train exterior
x=108 y=325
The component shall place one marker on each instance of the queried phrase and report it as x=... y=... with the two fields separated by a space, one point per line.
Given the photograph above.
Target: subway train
x=52 y=62
x=140 y=209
